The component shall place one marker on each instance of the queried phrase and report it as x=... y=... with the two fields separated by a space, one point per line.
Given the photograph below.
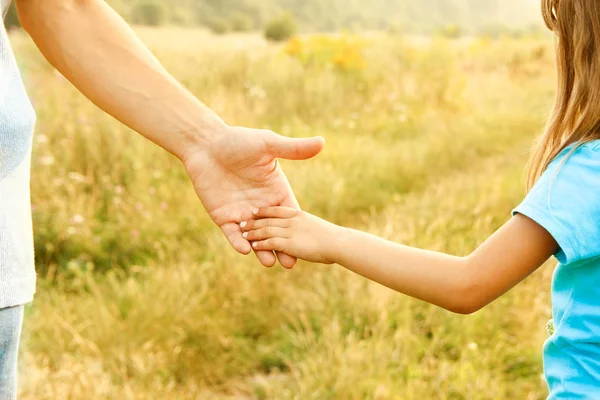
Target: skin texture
x=459 y=284
x=233 y=169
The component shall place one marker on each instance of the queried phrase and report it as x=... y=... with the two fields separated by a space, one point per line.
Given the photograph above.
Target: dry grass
x=141 y=298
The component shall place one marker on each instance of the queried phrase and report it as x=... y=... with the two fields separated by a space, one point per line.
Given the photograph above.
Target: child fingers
x=263 y=223
x=277 y=244
x=264 y=233
x=275 y=212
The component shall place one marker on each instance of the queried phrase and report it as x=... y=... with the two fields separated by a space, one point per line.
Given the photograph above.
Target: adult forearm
x=434 y=277
x=100 y=54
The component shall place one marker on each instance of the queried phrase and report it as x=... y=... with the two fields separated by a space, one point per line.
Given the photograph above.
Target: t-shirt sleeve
x=566 y=202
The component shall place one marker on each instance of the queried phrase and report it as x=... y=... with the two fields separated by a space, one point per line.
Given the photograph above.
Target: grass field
x=140 y=297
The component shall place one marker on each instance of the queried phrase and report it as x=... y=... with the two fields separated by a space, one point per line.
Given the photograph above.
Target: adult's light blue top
x=566 y=202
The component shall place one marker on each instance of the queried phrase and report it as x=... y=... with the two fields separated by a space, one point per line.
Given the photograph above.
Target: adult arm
x=233 y=169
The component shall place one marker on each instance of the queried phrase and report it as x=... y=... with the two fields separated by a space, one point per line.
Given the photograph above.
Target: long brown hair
x=575 y=117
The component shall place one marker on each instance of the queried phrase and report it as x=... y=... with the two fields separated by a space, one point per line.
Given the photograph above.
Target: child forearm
x=459 y=284
x=437 y=278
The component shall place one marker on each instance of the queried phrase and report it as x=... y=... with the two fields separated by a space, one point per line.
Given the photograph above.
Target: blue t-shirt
x=566 y=202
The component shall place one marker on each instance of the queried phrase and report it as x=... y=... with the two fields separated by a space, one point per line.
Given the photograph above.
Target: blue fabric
x=11 y=320
x=566 y=202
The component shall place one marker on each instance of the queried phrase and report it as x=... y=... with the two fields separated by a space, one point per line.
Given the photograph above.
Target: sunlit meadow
x=140 y=297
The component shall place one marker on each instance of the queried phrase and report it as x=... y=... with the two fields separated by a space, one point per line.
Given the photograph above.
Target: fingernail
x=243 y=224
x=245 y=234
x=255 y=211
x=255 y=244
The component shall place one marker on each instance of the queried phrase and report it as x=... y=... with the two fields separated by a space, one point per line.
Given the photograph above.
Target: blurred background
x=428 y=108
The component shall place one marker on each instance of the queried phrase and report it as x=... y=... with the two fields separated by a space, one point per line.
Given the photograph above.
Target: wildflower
x=41 y=138
x=294 y=46
x=77 y=219
x=47 y=160
x=75 y=176
x=257 y=92
x=83 y=120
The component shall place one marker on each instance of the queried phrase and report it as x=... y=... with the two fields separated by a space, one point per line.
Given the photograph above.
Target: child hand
x=293 y=232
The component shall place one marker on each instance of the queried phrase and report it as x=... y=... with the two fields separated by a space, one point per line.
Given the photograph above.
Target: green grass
x=140 y=297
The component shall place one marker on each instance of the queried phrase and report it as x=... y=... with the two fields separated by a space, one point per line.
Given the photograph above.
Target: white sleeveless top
x=17 y=120
x=4 y=6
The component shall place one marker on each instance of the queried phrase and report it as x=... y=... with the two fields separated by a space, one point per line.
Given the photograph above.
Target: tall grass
x=141 y=298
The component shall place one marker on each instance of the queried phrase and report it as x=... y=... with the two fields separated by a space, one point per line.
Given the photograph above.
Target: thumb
x=294 y=149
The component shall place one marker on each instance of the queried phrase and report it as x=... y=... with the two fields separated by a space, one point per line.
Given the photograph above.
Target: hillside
x=323 y=15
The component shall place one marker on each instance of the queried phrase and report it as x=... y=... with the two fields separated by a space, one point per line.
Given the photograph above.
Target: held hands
x=292 y=232
x=236 y=170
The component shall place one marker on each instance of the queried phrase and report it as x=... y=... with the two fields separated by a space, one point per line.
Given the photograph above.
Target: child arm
x=459 y=284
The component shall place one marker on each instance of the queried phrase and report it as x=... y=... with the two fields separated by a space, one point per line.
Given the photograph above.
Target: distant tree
x=149 y=12
x=451 y=31
x=241 y=23
x=495 y=31
x=281 y=28
x=219 y=26
x=395 y=28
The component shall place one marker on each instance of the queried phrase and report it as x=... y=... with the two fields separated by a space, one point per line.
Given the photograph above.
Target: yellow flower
x=294 y=46
x=344 y=53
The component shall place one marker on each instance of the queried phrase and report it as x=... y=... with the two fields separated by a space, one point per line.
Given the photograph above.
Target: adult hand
x=237 y=172
x=234 y=169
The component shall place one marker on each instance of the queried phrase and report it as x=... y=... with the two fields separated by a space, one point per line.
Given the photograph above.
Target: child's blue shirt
x=566 y=202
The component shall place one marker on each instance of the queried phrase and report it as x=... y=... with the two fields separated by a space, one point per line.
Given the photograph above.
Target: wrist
x=200 y=137
x=337 y=247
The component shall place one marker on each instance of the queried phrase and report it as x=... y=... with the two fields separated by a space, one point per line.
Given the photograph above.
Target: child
x=560 y=216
